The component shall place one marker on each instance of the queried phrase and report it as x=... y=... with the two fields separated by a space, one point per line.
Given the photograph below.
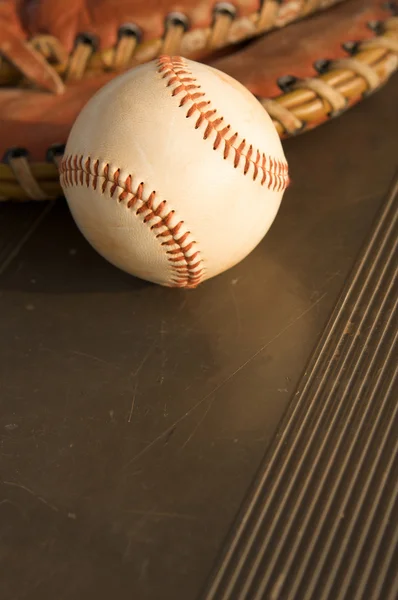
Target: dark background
x=133 y=418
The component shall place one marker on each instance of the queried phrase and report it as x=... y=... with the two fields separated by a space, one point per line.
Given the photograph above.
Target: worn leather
x=34 y=119
x=23 y=23
x=21 y=20
x=294 y=49
x=67 y=18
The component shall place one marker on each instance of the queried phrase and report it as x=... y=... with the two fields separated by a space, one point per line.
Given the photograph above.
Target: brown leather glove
x=55 y=55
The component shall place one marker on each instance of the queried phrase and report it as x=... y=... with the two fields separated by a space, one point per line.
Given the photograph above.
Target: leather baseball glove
x=306 y=60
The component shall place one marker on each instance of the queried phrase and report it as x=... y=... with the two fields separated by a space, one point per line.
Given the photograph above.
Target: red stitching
x=187 y=268
x=175 y=71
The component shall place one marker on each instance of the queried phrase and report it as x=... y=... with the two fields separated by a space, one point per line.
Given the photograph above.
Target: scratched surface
x=133 y=418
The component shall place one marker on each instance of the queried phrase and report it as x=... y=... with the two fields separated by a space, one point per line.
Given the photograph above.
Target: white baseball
x=174 y=172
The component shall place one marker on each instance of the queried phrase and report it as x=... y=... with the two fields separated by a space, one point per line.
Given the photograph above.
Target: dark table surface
x=133 y=418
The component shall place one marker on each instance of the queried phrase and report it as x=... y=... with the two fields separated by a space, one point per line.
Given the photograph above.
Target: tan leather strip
x=310 y=6
x=268 y=15
x=391 y=24
x=124 y=52
x=50 y=48
x=173 y=37
x=290 y=122
x=360 y=68
x=25 y=59
x=78 y=61
x=219 y=33
x=389 y=43
x=21 y=168
x=325 y=91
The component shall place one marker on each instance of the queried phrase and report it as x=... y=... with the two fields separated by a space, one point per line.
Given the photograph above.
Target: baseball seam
x=181 y=249
x=273 y=171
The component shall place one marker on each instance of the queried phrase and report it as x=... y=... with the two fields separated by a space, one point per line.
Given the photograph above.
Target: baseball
x=174 y=172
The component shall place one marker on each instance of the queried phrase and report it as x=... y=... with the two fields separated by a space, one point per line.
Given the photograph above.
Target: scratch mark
x=23 y=487
x=332 y=276
x=144 y=569
x=226 y=380
x=6 y=501
x=163 y=362
x=237 y=312
x=195 y=429
x=140 y=523
x=126 y=553
x=168 y=436
x=132 y=404
x=163 y=329
x=11 y=426
x=13 y=253
x=19 y=509
x=92 y=357
x=142 y=363
x=183 y=303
